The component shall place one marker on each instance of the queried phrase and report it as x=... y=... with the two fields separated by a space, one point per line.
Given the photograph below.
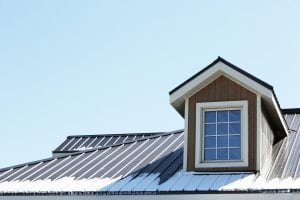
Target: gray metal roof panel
x=173 y=167
x=287 y=156
x=137 y=161
x=291 y=163
x=71 y=165
x=76 y=143
x=281 y=157
x=70 y=144
x=151 y=164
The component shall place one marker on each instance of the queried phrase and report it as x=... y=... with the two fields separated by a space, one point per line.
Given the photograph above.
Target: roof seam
x=91 y=150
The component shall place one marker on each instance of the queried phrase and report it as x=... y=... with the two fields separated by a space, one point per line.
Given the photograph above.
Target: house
x=237 y=143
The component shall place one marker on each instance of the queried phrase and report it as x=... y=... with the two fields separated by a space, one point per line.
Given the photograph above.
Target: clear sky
x=93 y=67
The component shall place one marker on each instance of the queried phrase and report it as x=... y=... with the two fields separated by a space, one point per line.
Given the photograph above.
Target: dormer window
x=221 y=134
x=232 y=119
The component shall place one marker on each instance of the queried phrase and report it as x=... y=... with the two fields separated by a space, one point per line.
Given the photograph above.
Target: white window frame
x=199 y=149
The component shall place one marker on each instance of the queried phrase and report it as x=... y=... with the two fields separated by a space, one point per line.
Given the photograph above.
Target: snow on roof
x=151 y=165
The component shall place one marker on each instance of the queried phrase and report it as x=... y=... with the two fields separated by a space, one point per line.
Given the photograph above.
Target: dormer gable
x=232 y=119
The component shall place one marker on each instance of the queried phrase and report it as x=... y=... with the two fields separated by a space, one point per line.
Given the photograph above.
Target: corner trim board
x=186 y=124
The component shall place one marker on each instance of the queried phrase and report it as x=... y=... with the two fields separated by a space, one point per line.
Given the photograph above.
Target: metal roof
x=90 y=170
x=152 y=165
x=75 y=143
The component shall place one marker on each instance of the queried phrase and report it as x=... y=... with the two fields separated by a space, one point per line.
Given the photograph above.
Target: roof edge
x=117 y=134
x=109 y=193
x=290 y=111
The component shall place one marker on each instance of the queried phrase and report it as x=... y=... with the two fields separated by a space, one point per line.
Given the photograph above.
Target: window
x=222 y=134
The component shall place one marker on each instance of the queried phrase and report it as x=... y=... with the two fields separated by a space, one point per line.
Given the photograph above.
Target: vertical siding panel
x=218 y=89
x=230 y=91
x=244 y=94
x=202 y=95
x=199 y=95
x=210 y=92
x=224 y=91
x=237 y=92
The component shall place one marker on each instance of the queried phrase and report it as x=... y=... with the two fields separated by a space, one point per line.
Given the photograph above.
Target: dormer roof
x=221 y=67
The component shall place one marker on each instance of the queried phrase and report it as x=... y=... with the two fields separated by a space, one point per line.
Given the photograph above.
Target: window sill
x=221 y=164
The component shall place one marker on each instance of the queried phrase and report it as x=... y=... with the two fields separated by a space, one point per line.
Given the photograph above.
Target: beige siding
x=267 y=140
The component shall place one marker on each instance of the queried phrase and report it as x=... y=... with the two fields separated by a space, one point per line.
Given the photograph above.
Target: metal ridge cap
x=117 y=134
x=290 y=111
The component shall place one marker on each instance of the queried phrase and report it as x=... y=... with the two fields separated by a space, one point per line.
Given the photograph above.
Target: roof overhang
x=222 y=67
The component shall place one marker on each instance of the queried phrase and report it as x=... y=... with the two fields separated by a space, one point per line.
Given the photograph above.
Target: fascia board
x=278 y=111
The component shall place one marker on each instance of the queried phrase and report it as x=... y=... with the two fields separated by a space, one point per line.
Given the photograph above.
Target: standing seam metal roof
x=75 y=143
x=152 y=165
x=109 y=163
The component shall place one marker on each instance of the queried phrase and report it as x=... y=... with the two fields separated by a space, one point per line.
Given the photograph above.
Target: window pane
x=210 y=142
x=235 y=141
x=235 y=128
x=234 y=115
x=222 y=135
x=222 y=154
x=222 y=116
x=222 y=141
x=210 y=154
x=222 y=128
x=210 y=129
x=235 y=154
x=210 y=116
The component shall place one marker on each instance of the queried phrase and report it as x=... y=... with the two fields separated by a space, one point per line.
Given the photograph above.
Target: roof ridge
x=116 y=134
x=290 y=111
x=118 y=144
x=89 y=150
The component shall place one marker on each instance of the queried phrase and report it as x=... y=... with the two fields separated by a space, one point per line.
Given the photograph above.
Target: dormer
x=232 y=119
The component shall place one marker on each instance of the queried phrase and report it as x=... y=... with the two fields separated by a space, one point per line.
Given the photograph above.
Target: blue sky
x=92 y=67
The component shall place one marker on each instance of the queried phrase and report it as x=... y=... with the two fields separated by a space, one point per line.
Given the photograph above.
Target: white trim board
x=258 y=132
x=218 y=69
x=186 y=125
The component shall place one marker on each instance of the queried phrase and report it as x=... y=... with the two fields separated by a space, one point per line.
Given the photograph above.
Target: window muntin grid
x=222 y=135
